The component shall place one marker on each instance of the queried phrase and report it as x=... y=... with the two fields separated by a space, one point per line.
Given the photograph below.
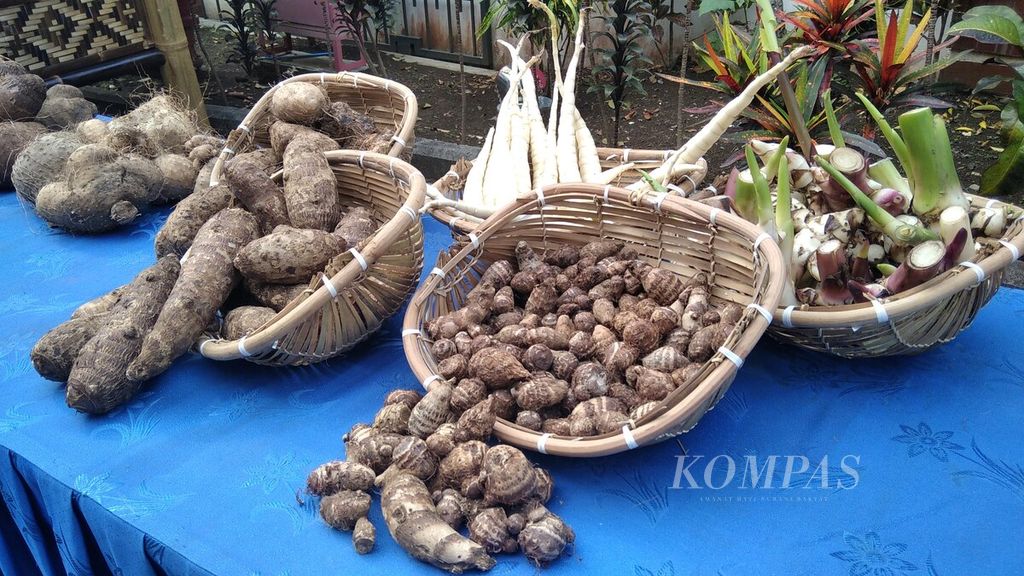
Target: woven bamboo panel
x=679 y=235
x=52 y=36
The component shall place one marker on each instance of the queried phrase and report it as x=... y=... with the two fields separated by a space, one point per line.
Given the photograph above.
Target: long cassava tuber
x=97 y=383
x=207 y=277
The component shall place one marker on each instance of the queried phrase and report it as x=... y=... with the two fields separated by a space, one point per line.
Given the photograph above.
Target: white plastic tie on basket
x=243 y=127
x=714 y=215
x=762 y=311
x=627 y=434
x=361 y=156
x=625 y=156
x=676 y=189
x=228 y=151
x=760 y=238
x=455 y=220
x=399 y=139
x=202 y=345
x=880 y=313
x=430 y=380
x=391 y=166
x=690 y=180
x=241 y=348
x=991 y=202
x=542 y=442
x=787 y=316
x=329 y=284
x=450 y=173
x=978 y=270
x=411 y=331
x=714 y=191
x=474 y=240
x=359 y=258
x=1012 y=248
x=323 y=78
x=732 y=356
x=437 y=272
x=607 y=187
x=665 y=154
x=540 y=197
x=657 y=201
x=410 y=212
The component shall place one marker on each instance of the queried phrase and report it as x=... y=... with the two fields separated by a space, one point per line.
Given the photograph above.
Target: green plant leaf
x=985 y=27
x=707 y=6
x=1005 y=175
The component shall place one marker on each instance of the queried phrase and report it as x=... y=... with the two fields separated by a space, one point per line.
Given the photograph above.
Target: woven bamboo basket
x=683 y=236
x=391 y=105
x=360 y=289
x=450 y=185
x=908 y=322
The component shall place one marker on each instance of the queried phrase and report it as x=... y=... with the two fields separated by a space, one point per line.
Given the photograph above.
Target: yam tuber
x=21 y=96
x=162 y=121
x=207 y=278
x=245 y=320
x=179 y=177
x=275 y=296
x=97 y=383
x=14 y=137
x=54 y=354
x=92 y=131
x=310 y=187
x=342 y=122
x=288 y=255
x=101 y=191
x=282 y=134
x=355 y=226
x=414 y=523
x=257 y=192
x=64 y=108
x=299 y=103
x=99 y=304
x=189 y=216
x=41 y=162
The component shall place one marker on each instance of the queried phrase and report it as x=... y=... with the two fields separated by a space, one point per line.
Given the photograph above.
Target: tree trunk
x=683 y=63
x=462 y=71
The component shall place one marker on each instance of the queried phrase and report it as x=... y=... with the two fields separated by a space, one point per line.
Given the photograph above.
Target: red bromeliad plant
x=888 y=66
x=828 y=25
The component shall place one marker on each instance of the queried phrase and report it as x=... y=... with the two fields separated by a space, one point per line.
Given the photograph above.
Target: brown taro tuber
x=310 y=187
x=41 y=162
x=545 y=536
x=179 y=177
x=102 y=190
x=414 y=523
x=21 y=96
x=343 y=509
x=364 y=536
x=257 y=192
x=355 y=226
x=64 y=107
x=299 y=102
x=189 y=216
x=207 y=278
x=282 y=134
x=288 y=255
x=245 y=320
x=14 y=137
x=336 y=476
x=97 y=383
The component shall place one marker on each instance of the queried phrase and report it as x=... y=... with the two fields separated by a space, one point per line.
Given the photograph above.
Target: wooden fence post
x=163 y=22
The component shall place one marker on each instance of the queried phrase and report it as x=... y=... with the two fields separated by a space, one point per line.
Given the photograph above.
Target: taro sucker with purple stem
x=856 y=231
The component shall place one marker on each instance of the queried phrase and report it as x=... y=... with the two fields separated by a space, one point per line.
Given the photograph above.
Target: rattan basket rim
x=721 y=375
x=456 y=220
x=400 y=141
x=294 y=314
x=925 y=296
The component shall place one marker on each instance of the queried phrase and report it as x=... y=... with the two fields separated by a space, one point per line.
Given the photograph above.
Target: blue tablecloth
x=809 y=465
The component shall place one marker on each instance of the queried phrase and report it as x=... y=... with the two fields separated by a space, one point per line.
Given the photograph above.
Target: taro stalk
x=770 y=42
x=628 y=24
